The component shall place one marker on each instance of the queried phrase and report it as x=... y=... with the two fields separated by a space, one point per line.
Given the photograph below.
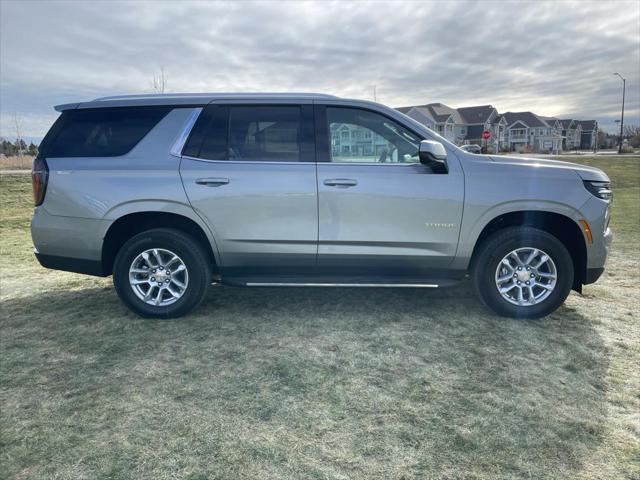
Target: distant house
x=511 y=131
x=571 y=134
x=484 y=118
x=440 y=118
x=503 y=144
x=526 y=130
x=589 y=134
x=354 y=141
x=552 y=137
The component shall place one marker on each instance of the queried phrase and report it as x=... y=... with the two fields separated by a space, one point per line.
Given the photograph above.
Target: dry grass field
x=317 y=384
x=16 y=163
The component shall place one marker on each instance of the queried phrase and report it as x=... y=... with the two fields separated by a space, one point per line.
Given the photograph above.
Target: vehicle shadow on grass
x=325 y=381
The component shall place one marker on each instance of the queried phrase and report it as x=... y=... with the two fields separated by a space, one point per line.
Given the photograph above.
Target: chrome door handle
x=212 y=181
x=340 y=182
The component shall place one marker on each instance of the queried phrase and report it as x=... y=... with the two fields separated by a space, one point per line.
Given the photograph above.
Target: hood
x=585 y=172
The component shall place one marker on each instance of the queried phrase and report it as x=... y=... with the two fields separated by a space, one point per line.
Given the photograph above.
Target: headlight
x=599 y=189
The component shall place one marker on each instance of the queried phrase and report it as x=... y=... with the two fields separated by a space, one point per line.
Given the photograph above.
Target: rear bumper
x=67 y=243
x=68 y=264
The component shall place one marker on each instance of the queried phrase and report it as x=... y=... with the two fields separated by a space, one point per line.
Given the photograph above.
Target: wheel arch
x=560 y=226
x=130 y=224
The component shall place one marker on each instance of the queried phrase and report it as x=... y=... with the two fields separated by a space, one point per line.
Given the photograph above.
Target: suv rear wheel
x=161 y=273
x=523 y=272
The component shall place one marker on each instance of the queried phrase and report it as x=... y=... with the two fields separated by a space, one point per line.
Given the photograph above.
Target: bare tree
x=17 y=123
x=631 y=130
x=159 y=81
x=632 y=134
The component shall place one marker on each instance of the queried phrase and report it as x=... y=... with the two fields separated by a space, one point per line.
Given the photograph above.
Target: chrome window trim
x=270 y=162
x=178 y=145
x=187 y=157
x=371 y=164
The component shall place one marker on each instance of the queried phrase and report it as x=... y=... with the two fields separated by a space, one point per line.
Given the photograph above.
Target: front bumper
x=592 y=275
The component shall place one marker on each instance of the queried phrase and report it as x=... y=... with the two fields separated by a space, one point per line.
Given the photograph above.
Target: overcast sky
x=553 y=58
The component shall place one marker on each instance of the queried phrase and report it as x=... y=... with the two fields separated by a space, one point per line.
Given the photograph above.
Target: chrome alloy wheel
x=526 y=276
x=158 y=277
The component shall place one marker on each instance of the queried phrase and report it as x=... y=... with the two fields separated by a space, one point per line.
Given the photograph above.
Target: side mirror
x=433 y=155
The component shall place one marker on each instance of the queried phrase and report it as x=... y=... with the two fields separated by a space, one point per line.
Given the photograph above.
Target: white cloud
x=552 y=58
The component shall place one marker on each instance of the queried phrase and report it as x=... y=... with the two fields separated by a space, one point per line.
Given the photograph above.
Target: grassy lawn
x=303 y=383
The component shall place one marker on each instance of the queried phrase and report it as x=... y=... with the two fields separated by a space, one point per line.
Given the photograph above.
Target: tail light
x=39 y=179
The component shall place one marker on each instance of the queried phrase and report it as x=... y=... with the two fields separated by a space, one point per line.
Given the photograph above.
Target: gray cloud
x=555 y=58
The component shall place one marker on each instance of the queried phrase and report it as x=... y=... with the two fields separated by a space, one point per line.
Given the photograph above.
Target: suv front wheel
x=161 y=273
x=523 y=272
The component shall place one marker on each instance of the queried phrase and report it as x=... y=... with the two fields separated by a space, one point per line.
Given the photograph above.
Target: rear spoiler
x=66 y=106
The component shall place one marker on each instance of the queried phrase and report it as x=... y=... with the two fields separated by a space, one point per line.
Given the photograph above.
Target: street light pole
x=624 y=85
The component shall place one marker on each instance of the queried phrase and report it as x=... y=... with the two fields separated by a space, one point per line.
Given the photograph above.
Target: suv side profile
x=168 y=193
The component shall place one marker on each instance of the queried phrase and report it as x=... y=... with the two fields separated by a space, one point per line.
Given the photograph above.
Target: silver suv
x=171 y=192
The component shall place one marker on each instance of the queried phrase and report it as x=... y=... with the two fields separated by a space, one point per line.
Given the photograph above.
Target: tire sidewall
x=180 y=244
x=498 y=246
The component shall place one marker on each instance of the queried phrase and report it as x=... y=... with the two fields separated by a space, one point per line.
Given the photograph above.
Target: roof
x=530 y=119
x=405 y=110
x=442 y=112
x=588 y=124
x=566 y=123
x=548 y=120
x=187 y=99
x=421 y=114
x=478 y=114
x=438 y=112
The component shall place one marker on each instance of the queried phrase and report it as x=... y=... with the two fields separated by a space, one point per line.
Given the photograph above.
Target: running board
x=367 y=285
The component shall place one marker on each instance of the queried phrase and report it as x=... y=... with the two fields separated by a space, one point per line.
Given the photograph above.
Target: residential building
x=571 y=134
x=511 y=131
x=481 y=119
x=589 y=134
x=503 y=144
x=550 y=139
x=440 y=118
x=352 y=141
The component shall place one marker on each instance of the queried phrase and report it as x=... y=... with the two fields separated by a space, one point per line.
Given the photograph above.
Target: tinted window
x=265 y=133
x=362 y=136
x=107 y=132
x=208 y=139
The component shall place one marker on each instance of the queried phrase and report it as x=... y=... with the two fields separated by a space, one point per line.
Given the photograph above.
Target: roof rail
x=213 y=95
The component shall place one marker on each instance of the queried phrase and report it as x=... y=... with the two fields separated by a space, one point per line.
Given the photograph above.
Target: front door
x=382 y=212
x=249 y=171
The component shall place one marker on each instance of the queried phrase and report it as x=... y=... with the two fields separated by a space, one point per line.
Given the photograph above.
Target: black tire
x=500 y=244
x=190 y=252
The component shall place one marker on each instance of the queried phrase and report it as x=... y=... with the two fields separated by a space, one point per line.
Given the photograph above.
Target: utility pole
x=624 y=85
x=17 y=123
x=375 y=97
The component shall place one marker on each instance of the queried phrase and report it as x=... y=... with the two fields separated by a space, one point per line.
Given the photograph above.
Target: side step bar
x=333 y=281
x=367 y=285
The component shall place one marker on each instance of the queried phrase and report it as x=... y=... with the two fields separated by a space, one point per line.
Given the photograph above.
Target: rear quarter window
x=105 y=132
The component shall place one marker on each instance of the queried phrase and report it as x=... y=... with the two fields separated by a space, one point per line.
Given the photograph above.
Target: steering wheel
x=383 y=155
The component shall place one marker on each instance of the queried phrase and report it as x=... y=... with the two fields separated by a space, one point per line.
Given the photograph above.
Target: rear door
x=249 y=171
x=381 y=211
